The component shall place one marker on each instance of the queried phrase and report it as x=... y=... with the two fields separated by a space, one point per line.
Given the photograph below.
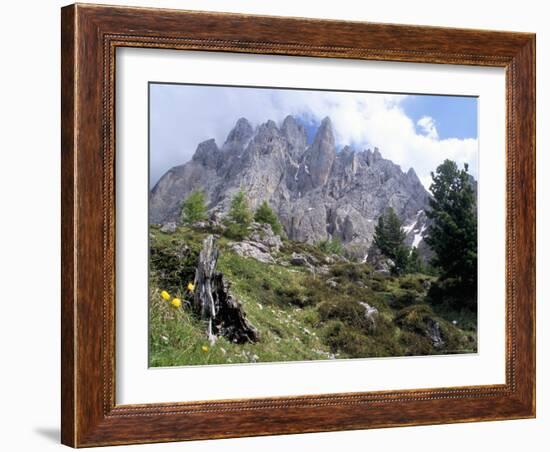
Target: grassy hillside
x=301 y=315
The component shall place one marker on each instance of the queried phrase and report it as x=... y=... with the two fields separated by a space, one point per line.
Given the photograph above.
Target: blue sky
x=456 y=117
x=418 y=131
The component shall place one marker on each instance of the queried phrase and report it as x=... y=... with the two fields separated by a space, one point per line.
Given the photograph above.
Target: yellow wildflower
x=176 y=303
x=204 y=348
x=165 y=295
x=191 y=287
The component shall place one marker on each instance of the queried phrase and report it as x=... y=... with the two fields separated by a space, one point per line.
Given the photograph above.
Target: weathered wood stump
x=214 y=303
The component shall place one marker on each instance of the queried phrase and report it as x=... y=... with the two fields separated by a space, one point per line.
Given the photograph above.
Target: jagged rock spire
x=241 y=133
x=320 y=156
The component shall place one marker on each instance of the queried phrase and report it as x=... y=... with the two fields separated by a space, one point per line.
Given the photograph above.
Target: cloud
x=427 y=127
x=183 y=116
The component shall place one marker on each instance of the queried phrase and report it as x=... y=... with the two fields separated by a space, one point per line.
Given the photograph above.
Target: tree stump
x=214 y=303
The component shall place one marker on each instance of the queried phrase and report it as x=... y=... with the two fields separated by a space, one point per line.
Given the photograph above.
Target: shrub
x=172 y=265
x=345 y=310
x=331 y=246
x=404 y=299
x=236 y=231
x=352 y=272
x=264 y=214
x=340 y=338
x=411 y=283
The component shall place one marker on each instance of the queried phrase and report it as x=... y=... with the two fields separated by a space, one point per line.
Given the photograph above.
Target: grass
x=300 y=316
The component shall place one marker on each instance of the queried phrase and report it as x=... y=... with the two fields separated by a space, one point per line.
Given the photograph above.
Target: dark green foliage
x=340 y=338
x=331 y=246
x=404 y=299
x=453 y=233
x=193 y=208
x=172 y=264
x=388 y=234
x=264 y=214
x=389 y=237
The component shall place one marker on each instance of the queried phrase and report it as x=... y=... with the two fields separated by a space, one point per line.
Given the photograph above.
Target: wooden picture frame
x=90 y=35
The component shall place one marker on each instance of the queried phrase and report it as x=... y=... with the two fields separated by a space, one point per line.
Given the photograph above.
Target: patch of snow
x=365 y=258
x=409 y=227
x=418 y=237
x=306 y=168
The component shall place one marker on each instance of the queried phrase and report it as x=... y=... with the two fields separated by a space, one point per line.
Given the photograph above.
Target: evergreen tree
x=453 y=233
x=389 y=237
x=194 y=208
x=239 y=212
x=264 y=214
x=239 y=217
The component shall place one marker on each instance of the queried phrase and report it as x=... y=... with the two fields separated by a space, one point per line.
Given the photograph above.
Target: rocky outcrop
x=317 y=191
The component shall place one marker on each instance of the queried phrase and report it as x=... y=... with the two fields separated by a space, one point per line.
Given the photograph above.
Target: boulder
x=252 y=250
x=169 y=227
x=263 y=234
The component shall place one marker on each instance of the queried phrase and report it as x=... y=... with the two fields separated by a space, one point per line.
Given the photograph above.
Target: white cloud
x=182 y=117
x=427 y=127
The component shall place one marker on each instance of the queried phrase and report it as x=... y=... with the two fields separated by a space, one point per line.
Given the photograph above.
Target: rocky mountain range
x=318 y=191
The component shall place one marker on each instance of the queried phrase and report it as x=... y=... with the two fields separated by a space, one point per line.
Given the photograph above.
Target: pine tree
x=453 y=233
x=193 y=208
x=264 y=214
x=389 y=237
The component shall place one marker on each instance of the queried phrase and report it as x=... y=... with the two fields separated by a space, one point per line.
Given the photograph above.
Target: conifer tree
x=264 y=214
x=239 y=217
x=389 y=237
x=453 y=232
x=193 y=208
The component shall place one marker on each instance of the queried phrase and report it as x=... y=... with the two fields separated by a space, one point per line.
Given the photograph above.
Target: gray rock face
x=317 y=191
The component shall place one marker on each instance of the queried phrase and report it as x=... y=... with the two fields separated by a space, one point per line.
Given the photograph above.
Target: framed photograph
x=282 y=225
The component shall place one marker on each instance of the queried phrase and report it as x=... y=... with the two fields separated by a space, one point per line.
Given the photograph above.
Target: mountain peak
x=295 y=134
x=320 y=156
x=316 y=192
x=240 y=133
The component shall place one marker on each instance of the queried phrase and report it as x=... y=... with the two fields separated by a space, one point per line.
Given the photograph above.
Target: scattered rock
x=253 y=250
x=263 y=234
x=169 y=227
x=371 y=314
x=332 y=283
x=433 y=331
